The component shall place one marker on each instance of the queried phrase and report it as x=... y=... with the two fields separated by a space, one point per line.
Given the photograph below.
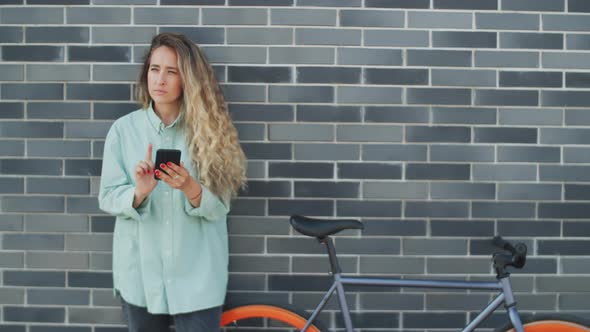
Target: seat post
x=331 y=254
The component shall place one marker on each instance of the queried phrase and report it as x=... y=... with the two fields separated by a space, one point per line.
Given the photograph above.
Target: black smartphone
x=164 y=156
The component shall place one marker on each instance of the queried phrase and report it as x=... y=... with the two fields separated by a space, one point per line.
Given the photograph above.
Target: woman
x=170 y=251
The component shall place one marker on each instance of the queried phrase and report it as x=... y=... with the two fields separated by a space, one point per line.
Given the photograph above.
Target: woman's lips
x=159 y=92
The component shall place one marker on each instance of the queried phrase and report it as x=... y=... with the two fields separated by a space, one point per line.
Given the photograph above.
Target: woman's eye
x=171 y=72
x=154 y=69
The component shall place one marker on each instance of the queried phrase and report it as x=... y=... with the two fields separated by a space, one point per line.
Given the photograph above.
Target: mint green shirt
x=167 y=255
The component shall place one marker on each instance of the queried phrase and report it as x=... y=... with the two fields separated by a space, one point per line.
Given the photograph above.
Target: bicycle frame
x=503 y=285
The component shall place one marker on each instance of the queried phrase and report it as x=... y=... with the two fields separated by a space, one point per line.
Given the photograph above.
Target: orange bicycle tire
x=270 y=311
x=553 y=324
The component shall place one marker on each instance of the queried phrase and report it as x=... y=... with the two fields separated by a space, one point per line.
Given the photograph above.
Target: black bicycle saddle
x=322 y=227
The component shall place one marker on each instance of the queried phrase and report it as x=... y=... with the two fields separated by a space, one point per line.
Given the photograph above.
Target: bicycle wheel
x=551 y=323
x=275 y=317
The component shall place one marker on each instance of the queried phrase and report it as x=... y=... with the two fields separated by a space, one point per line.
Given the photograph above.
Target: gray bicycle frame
x=503 y=285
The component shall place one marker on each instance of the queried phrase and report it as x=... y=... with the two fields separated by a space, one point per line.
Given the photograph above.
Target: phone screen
x=164 y=156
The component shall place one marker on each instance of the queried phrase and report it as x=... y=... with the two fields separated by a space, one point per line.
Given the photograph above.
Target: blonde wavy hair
x=211 y=136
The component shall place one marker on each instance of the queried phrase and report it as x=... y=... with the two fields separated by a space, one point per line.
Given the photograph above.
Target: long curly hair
x=211 y=136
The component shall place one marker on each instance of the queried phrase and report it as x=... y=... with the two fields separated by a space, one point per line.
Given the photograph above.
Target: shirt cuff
x=130 y=211
x=211 y=206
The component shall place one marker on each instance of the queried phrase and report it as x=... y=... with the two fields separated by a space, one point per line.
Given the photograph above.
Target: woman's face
x=164 y=82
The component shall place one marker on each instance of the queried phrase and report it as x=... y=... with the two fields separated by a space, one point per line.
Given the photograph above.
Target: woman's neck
x=166 y=112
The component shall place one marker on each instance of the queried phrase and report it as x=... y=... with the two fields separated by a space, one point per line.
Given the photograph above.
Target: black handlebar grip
x=499 y=242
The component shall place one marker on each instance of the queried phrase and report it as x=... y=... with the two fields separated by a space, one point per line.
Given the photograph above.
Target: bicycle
x=239 y=317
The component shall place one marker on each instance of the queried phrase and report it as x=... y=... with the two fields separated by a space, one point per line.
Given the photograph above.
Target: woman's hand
x=179 y=178
x=144 y=178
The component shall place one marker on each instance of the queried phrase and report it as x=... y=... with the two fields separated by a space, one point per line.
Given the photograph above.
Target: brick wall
x=439 y=123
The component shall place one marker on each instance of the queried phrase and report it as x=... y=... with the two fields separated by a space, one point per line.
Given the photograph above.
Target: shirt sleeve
x=116 y=191
x=211 y=207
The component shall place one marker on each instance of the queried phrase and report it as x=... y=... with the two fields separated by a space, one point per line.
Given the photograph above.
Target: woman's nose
x=161 y=79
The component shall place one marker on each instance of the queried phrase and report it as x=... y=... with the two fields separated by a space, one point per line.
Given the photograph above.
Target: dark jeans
x=140 y=320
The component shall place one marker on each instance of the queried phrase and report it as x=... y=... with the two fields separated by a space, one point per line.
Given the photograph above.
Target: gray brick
x=464 y=39
x=507 y=98
x=81 y=91
x=392 y=265
x=502 y=210
x=328 y=113
x=11 y=222
x=124 y=2
x=266 y=189
x=380 y=227
x=192 y=2
x=300 y=170
x=529 y=228
x=424 y=4
x=95 y=315
x=462 y=228
x=31 y=166
x=577 y=80
x=564 y=98
x=396 y=38
x=576 y=192
x=261 y=112
x=438 y=96
x=12 y=110
x=111 y=35
x=12 y=185
x=32 y=91
x=58 y=110
x=244 y=93
x=399 y=114
x=58 y=186
x=54 y=148
x=451 y=190
x=527 y=192
x=255 y=225
x=377 y=301
x=311 y=17
x=369 y=56
x=541 y=154
x=566 y=211
x=395 y=190
x=577 y=42
x=467 y=78
x=576 y=155
x=438 y=58
x=326 y=189
x=502 y=59
x=369 y=95
x=246 y=282
x=300 y=132
x=301 y=55
x=436 y=209
x=260 y=3
x=438 y=134
x=166 y=16
x=102 y=224
x=563 y=247
x=256 y=170
x=564 y=173
x=90 y=129
x=260 y=36
x=369 y=133
x=573 y=302
x=531 y=40
x=577 y=284
x=530 y=79
x=58 y=72
x=368 y=171
x=98 y=15
x=465 y=4
x=234 y=16
x=36 y=314
x=113 y=111
x=89 y=242
x=575 y=265
x=12 y=72
x=31 y=15
x=578 y=6
x=310 y=36
x=569 y=22
x=565 y=60
x=530 y=116
x=576 y=228
x=437 y=171
x=368 y=246
x=296 y=94
x=56 y=223
x=199 y=35
x=58 y=296
x=100 y=261
x=297 y=245
x=33 y=242
x=311 y=264
x=83 y=167
x=454 y=266
x=327 y=151
x=99 y=53
x=259 y=74
x=565 y=135
x=12 y=148
x=533 y=5
x=394 y=152
x=396 y=76
x=371 y=18
x=235 y=54
x=97 y=151
x=12 y=296
x=259 y=263
x=461 y=153
x=14 y=260
x=506 y=21
x=267 y=150
x=328 y=75
x=32 y=204
x=49 y=34
x=11 y=34
x=251 y=131
x=330 y=3
x=467 y=115
x=83 y=205
x=434 y=247
x=504 y=172
x=36 y=279
x=439 y=20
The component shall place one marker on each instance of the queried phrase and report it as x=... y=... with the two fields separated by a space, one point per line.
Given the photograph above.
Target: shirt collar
x=157 y=123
